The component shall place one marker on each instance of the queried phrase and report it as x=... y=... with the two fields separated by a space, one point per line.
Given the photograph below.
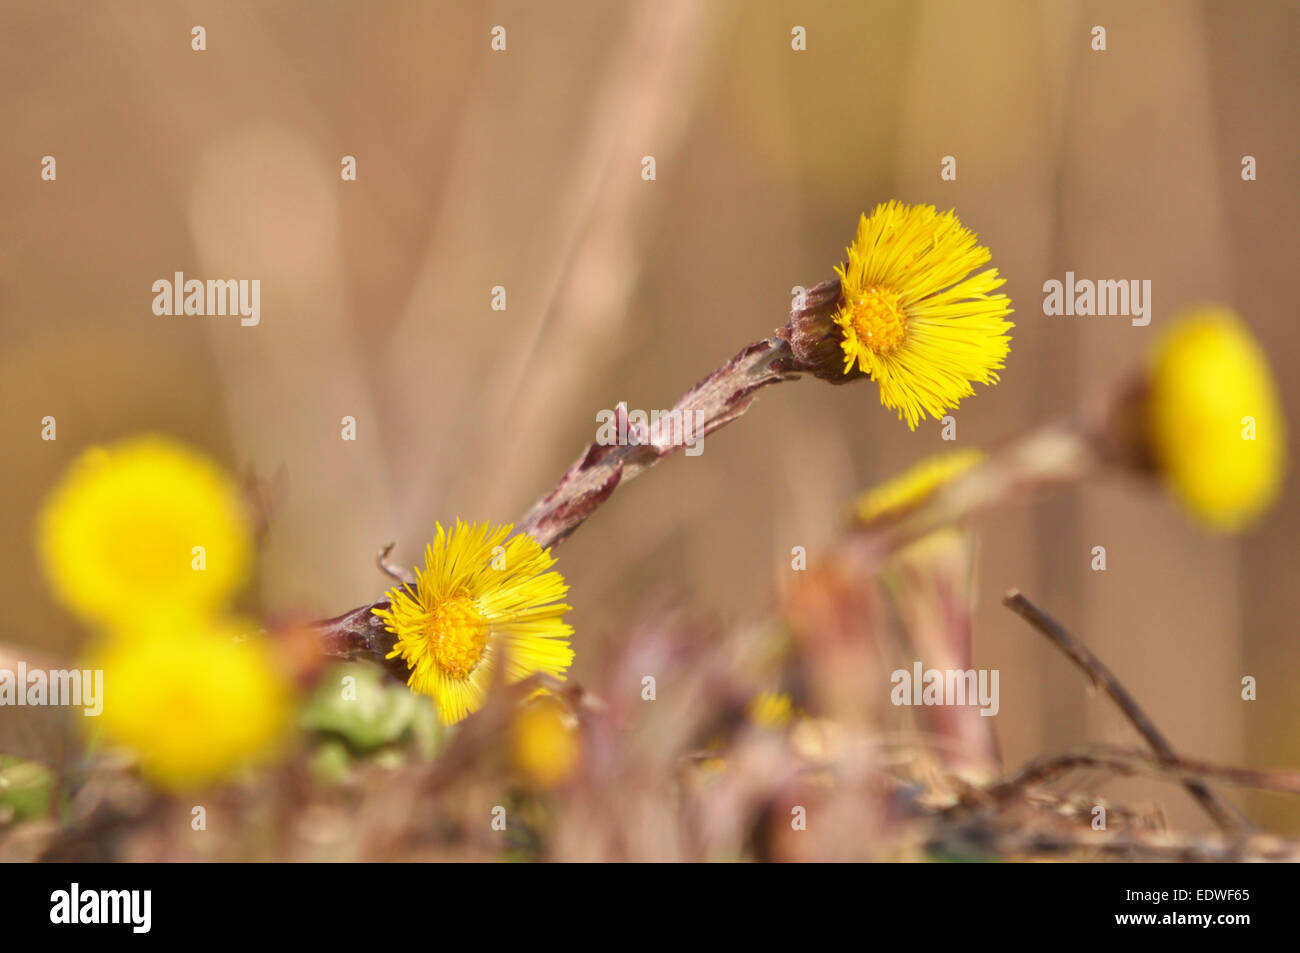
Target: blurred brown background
x=523 y=169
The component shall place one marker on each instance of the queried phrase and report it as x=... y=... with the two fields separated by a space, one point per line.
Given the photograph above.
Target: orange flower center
x=457 y=634
x=878 y=319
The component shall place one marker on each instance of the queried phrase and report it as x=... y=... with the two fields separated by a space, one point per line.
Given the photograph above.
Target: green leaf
x=26 y=789
x=369 y=711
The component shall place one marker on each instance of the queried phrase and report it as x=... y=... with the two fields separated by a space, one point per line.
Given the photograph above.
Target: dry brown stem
x=1223 y=814
x=711 y=404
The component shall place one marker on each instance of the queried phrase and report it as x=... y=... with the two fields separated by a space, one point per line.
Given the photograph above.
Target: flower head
x=195 y=701
x=544 y=743
x=480 y=600
x=1214 y=425
x=911 y=314
x=119 y=533
x=771 y=710
x=914 y=485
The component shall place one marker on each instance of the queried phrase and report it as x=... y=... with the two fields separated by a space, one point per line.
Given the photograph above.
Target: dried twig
x=1222 y=813
x=392 y=569
x=1123 y=846
x=1130 y=762
x=710 y=405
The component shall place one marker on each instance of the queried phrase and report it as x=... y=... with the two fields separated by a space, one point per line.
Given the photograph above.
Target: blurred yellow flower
x=479 y=599
x=195 y=701
x=1214 y=423
x=121 y=532
x=911 y=487
x=544 y=744
x=771 y=710
x=913 y=317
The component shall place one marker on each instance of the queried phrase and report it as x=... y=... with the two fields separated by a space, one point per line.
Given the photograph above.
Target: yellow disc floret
x=457 y=636
x=878 y=320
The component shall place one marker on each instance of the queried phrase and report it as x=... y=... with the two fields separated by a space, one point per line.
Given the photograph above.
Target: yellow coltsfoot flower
x=545 y=746
x=1214 y=424
x=913 y=486
x=479 y=601
x=912 y=316
x=195 y=701
x=771 y=710
x=145 y=524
